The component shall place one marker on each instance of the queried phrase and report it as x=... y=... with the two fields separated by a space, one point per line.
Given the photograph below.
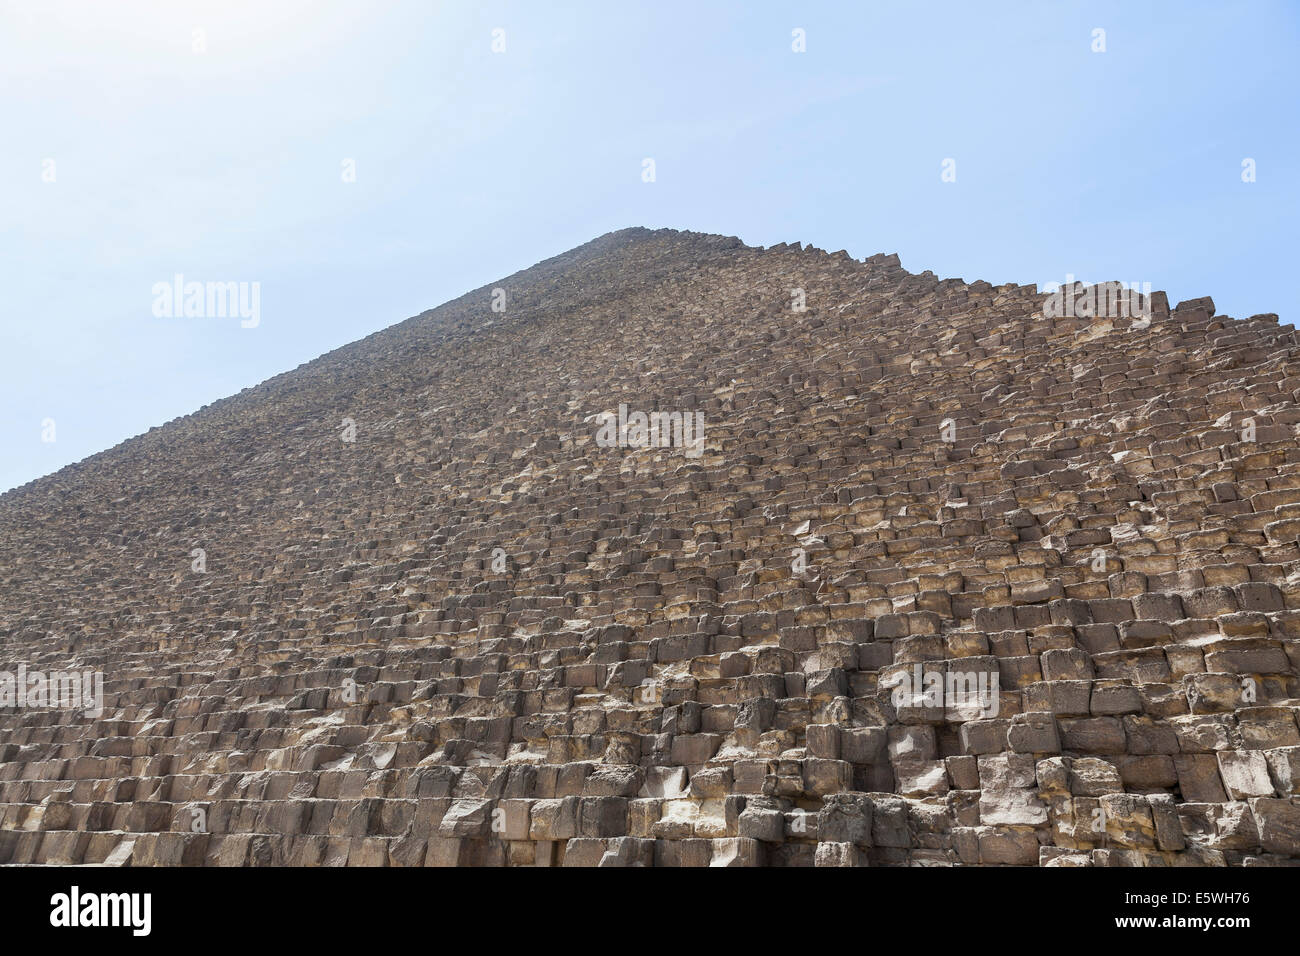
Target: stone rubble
x=679 y=661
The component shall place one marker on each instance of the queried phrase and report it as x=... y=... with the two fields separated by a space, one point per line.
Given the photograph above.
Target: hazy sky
x=136 y=149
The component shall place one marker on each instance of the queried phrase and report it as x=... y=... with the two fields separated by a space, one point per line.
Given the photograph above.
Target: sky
x=355 y=164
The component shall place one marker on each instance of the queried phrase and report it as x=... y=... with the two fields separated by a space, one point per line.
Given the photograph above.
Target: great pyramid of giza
x=674 y=551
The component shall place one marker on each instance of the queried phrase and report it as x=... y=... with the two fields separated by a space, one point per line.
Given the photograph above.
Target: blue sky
x=226 y=164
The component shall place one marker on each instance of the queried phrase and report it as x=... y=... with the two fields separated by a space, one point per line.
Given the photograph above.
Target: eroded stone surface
x=685 y=660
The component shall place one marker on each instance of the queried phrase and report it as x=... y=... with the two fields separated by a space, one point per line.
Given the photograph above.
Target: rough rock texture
x=682 y=660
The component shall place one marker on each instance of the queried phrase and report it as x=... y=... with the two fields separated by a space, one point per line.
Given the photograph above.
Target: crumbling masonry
x=472 y=636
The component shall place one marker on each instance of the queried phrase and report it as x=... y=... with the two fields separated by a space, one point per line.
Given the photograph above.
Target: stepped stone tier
x=946 y=578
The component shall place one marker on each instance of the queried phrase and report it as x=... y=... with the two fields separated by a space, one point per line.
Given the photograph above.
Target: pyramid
x=675 y=551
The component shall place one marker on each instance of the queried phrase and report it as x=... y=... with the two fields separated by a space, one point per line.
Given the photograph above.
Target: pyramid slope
x=475 y=636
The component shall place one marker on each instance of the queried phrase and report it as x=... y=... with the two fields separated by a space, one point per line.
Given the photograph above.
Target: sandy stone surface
x=937 y=579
